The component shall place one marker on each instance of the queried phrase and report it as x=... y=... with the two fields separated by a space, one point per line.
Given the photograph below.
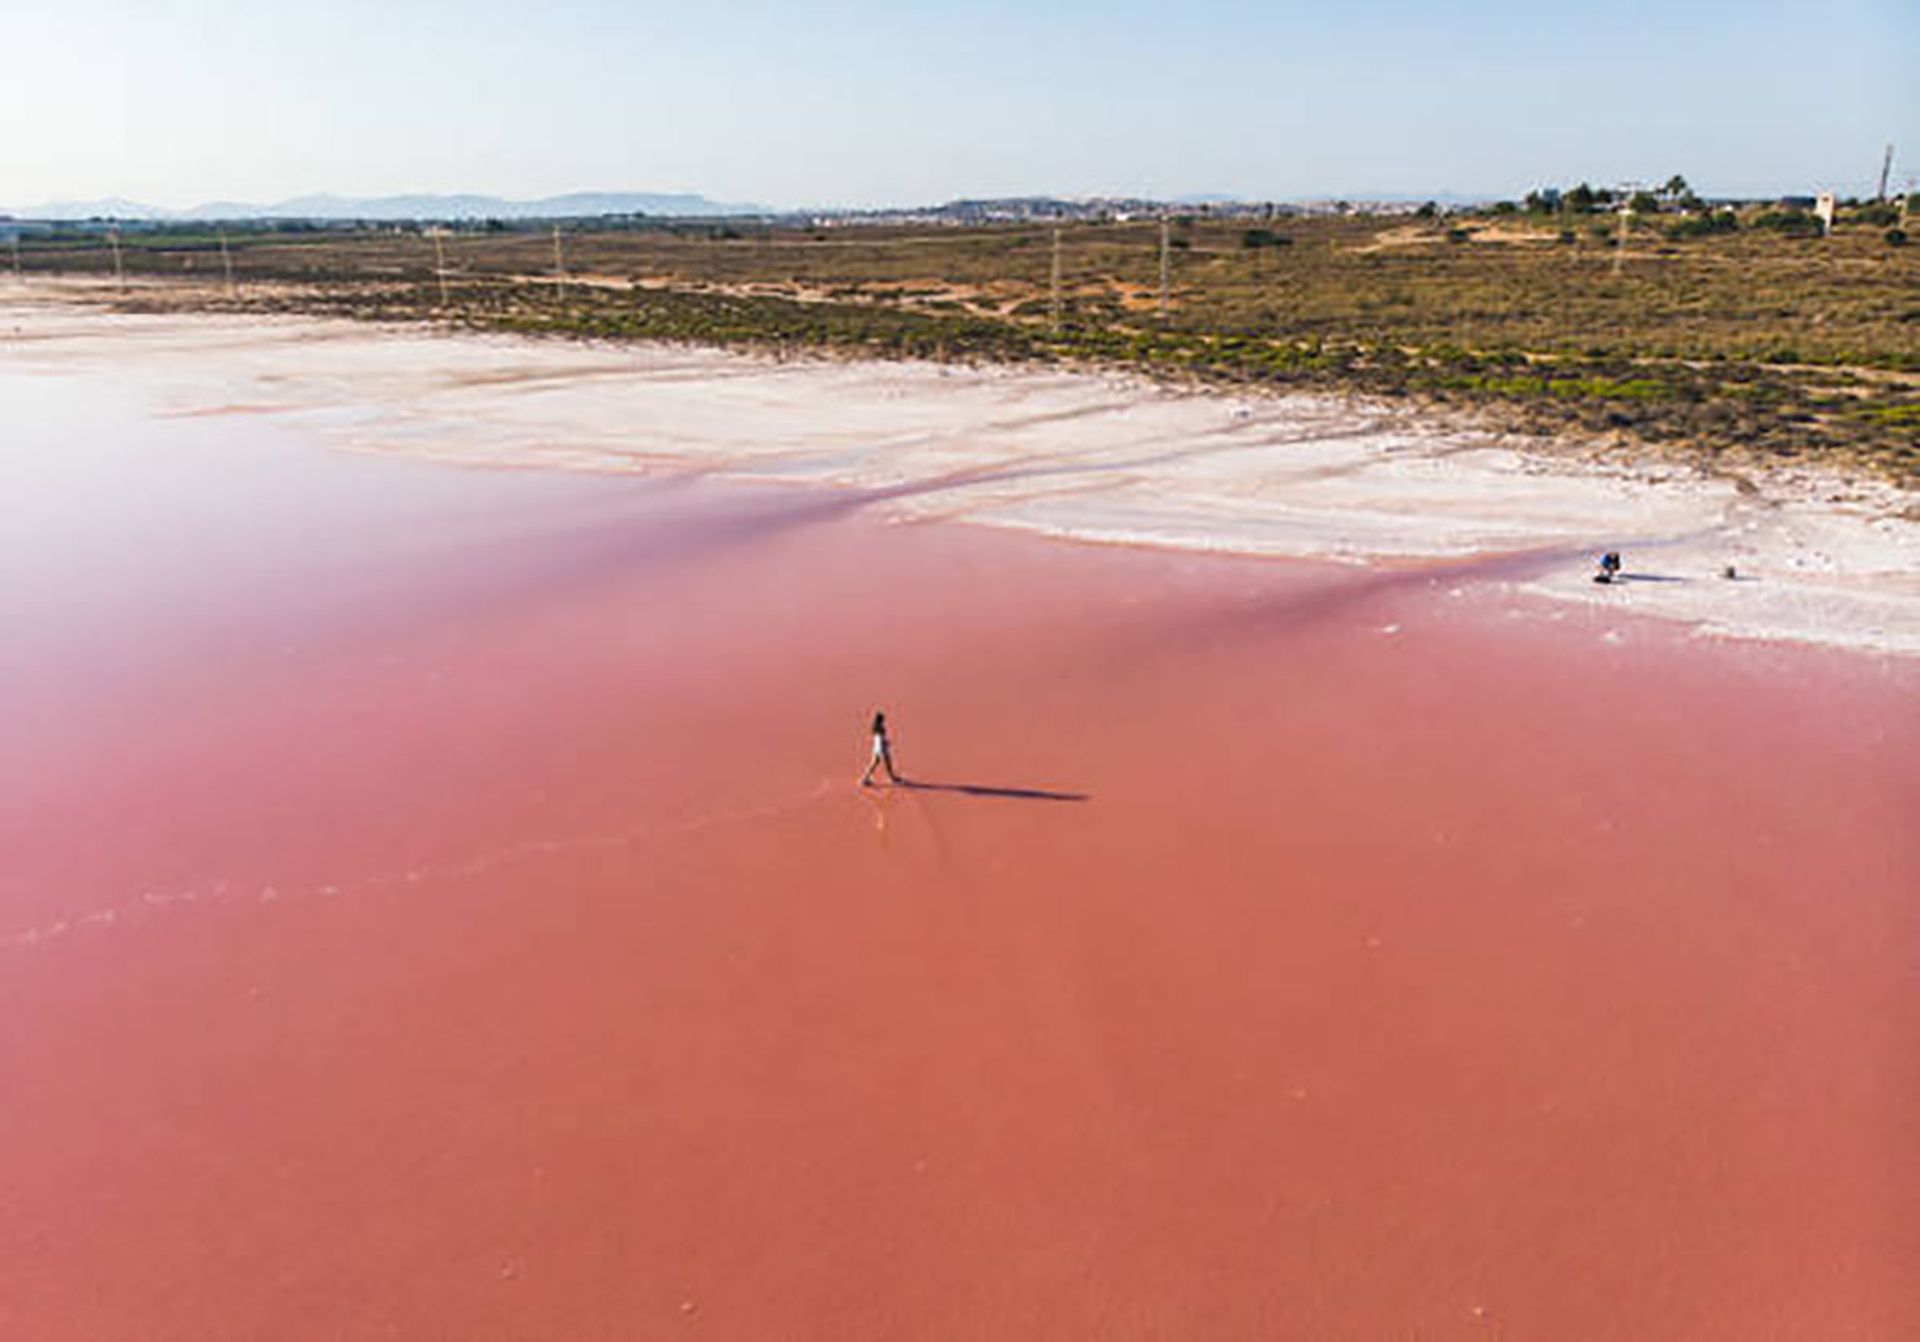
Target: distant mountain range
x=593 y=204
x=578 y=204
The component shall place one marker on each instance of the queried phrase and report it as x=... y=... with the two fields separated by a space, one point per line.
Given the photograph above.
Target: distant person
x=882 y=753
x=1609 y=567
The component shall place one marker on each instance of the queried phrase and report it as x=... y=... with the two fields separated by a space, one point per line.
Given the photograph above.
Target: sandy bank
x=1075 y=455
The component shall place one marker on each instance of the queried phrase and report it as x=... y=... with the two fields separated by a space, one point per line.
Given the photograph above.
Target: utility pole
x=1054 y=281
x=1886 y=166
x=1626 y=222
x=439 y=262
x=119 y=271
x=226 y=264
x=18 y=278
x=559 y=267
x=1166 y=264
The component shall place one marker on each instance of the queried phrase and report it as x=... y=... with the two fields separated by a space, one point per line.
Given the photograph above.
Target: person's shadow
x=984 y=790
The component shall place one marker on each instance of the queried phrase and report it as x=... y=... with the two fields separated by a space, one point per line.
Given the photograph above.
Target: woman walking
x=882 y=752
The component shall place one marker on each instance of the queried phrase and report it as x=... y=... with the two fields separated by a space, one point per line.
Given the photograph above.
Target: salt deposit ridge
x=1089 y=457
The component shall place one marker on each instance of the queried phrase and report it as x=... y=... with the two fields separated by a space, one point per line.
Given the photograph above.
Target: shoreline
x=447 y=894
x=1087 y=457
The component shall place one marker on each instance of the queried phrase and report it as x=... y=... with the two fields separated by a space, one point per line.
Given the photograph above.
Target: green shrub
x=1703 y=225
x=1264 y=237
x=1789 y=223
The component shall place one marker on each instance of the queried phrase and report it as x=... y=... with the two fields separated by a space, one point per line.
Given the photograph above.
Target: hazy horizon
x=380 y=206
x=861 y=105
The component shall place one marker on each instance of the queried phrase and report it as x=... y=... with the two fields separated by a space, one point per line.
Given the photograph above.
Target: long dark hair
x=879 y=723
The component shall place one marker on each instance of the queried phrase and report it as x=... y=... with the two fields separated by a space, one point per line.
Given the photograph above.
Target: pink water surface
x=437 y=903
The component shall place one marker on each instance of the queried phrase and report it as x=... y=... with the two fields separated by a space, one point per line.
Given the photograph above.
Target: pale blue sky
x=181 y=101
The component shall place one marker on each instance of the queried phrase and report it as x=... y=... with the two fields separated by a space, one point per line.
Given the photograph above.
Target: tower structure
x=1053 y=282
x=1627 y=193
x=1166 y=264
x=440 y=262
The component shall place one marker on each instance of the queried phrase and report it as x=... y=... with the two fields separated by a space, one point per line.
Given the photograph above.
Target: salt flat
x=1073 y=454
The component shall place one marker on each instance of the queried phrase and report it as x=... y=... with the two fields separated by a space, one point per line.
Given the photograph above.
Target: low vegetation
x=1729 y=336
